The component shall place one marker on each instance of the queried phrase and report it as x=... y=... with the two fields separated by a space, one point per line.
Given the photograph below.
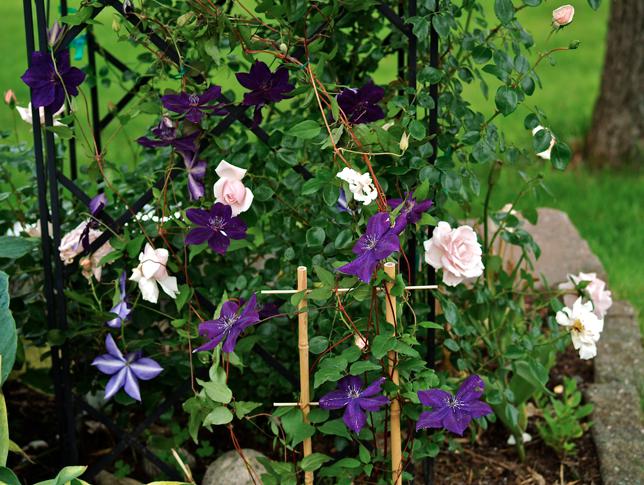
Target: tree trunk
x=617 y=128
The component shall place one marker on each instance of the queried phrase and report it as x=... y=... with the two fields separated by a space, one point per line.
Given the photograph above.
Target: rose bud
x=562 y=16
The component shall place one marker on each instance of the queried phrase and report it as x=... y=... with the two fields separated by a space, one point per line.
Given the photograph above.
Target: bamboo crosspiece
x=303 y=346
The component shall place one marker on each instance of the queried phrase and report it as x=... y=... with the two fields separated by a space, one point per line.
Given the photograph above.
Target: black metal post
x=96 y=117
x=73 y=163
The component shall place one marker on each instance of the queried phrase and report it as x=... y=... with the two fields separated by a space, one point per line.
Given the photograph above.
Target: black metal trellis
x=50 y=176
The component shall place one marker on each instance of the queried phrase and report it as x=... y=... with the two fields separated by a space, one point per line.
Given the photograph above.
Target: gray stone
x=618 y=433
x=106 y=478
x=230 y=469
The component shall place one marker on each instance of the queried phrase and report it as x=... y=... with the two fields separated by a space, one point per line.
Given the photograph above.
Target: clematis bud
x=573 y=45
x=562 y=16
x=283 y=48
x=404 y=142
x=10 y=98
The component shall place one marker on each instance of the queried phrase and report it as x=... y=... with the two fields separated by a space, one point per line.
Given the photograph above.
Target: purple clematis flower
x=166 y=135
x=376 y=244
x=96 y=206
x=125 y=371
x=123 y=308
x=410 y=213
x=48 y=86
x=360 y=105
x=195 y=105
x=230 y=324
x=265 y=87
x=196 y=173
x=355 y=400
x=453 y=413
x=217 y=226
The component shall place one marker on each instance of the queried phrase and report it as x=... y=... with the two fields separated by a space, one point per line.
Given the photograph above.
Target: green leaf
x=417 y=130
x=314 y=461
x=7 y=477
x=335 y=427
x=363 y=366
x=560 y=155
x=594 y=4
x=437 y=326
x=506 y=100
x=315 y=237
x=295 y=427
x=533 y=372
x=8 y=335
x=184 y=296
x=242 y=408
x=531 y=121
x=4 y=429
x=217 y=416
x=64 y=132
x=263 y=193
x=324 y=275
x=504 y=10
x=217 y=391
x=343 y=239
x=306 y=130
x=318 y=344
x=381 y=345
x=15 y=247
x=541 y=140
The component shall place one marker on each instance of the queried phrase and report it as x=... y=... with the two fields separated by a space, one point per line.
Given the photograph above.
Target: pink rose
x=596 y=291
x=456 y=251
x=562 y=16
x=230 y=190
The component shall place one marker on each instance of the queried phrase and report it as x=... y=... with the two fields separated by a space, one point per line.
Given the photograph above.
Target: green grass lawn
x=605 y=206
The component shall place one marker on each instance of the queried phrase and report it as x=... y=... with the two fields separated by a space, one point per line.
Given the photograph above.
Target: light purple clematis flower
x=196 y=173
x=376 y=244
x=97 y=203
x=360 y=105
x=195 y=105
x=123 y=308
x=355 y=400
x=47 y=85
x=125 y=370
x=166 y=135
x=229 y=326
x=216 y=226
x=453 y=413
x=265 y=87
x=410 y=213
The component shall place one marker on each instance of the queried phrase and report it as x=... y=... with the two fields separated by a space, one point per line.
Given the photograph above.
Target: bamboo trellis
x=305 y=404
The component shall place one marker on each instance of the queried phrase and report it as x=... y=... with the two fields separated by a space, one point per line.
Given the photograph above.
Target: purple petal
x=73 y=78
x=436 y=398
x=350 y=382
x=211 y=94
x=388 y=244
x=246 y=80
x=219 y=243
x=477 y=409
x=194 y=115
x=456 y=421
x=250 y=310
x=44 y=96
x=354 y=417
x=146 y=368
x=115 y=383
x=199 y=235
x=334 y=400
x=374 y=388
x=177 y=103
x=112 y=348
x=362 y=267
x=149 y=143
x=221 y=210
x=373 y=403
x=231 y=339
x=471 y=389
x=236 y=228
x=371 y=92
x=199 y=217
x=196 y=188
x=97 y=203
x=107 y=364
x=378 y=224
x=431 y=419
x=229 y=308
x=132 y=385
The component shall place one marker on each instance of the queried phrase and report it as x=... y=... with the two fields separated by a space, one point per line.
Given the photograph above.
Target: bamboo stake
x=303 y=346
x=394 y=412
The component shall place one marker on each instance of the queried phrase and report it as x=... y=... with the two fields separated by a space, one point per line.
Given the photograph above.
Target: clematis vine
x=49 y=82
x=229 y=189
x=194 y=106
x=123 y=308
x=360 y=185
x=585 y=327
x=377 y=243
x=229 y=326
x=125 y=370
x=454 y=413
x=166 y=135
x=361 y=105
x=216 y=226
x=595 y=291
x=264 y=87
x=411 y=211
x=196 y=170
x=151 y=272
x=356 y=400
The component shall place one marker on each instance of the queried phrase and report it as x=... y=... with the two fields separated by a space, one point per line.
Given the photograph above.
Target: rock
x=106 y=478
x=618 y=433
x=230 y=469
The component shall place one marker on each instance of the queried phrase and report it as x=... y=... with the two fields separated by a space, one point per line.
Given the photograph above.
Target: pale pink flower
x=585 y=328
x=360 y=341
x=25 y=114
x=456 y=251
x=562 y=16
x=229 y=189
x=70 y=247
x=596 y=291
x=91 y=266
x=152 y=270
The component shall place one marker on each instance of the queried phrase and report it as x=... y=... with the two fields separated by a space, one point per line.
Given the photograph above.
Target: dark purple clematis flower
x=453 y=413
x=355 y=400
x=166 y=135
x=265 y=87
x=195 y=105
x=96 y=206
x=48 y=86
x=125 y=371
x=230 y=324
x=123 y=308
x=360 y=105
x=269 y=309
x=376 y=244
x=410 y=213
x=196 y=172
x=217 y=226
x=97 y=203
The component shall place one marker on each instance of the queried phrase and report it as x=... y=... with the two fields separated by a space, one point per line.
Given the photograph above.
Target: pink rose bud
x=10 y=97
x=230 y=190
x=562 y=16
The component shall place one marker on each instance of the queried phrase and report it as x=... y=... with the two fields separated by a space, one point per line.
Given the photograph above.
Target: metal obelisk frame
x=51 y=180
